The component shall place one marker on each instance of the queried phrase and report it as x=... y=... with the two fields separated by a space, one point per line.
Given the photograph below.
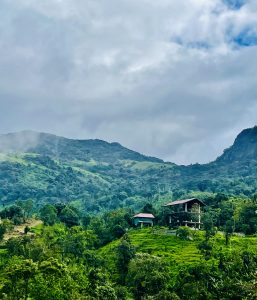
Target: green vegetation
x=62 y=262
x=66 y=229
x=78 y=255
x=100 y=176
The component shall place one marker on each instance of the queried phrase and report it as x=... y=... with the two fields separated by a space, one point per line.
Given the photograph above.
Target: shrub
x=184 y=233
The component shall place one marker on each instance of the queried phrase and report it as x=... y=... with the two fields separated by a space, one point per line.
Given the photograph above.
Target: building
x=143 y=219
x=185 y=212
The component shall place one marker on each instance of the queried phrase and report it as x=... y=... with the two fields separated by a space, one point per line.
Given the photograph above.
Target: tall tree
x=125 y=252
x=48 y=214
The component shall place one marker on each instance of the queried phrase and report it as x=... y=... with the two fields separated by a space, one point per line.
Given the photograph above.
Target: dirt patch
x=19 y=229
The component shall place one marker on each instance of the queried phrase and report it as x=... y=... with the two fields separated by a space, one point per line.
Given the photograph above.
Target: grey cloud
x=129 y=71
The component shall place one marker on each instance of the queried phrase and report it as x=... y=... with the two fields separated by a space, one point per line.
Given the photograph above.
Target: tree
x=69 y=217
x=228 y=229
x=18 y=274
x=247 y=218
x=147 y=275
x=183 y=232
x=48 y=214
x=125 y=252
x=166 y=295
x=76 y=241
x=148 y=208
x=27 y=207
x=13 y=213
x=2 y=231
x=99 y=286
x=54 y=281
x=226 y=213
x=208 y=226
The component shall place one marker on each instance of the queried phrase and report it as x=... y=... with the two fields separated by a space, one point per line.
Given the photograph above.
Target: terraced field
x=177 y=253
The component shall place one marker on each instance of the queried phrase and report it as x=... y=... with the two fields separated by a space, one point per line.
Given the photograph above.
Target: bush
x=184 y=233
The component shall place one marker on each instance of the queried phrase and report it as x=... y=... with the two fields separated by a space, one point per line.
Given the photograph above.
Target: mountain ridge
x=53 y=145
x=96 y=175
x=22 y=140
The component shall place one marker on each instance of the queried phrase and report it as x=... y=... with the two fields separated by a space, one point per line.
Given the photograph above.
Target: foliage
x=13 y=213
x=184 y=233
x=125 y=252
x=2 y=231
x=48 y=214
x=147 y=275
x=69 y=216
x=86 y=194
x=228 y=230
x=208 y=225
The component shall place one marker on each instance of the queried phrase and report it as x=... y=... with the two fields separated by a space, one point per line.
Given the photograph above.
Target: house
x=185 y=212
x=143 y=219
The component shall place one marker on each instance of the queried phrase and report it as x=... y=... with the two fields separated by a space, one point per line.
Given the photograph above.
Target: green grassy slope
x=177 y=253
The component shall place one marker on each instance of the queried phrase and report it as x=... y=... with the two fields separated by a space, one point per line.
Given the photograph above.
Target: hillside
x=95 y=175
x=68 y=149
x=177 y=253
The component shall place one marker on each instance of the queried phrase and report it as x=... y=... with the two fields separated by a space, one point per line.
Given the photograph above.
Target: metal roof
x=143 y=215
x=177 y=202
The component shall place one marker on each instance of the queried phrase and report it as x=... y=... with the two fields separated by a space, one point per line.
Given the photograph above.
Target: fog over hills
x=64 y=148
x=244 y=147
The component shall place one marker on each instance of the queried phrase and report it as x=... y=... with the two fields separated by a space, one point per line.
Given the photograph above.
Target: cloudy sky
x=174 y=79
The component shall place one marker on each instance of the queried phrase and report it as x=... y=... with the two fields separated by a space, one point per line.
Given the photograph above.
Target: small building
x=185 y=212
x=143 y=219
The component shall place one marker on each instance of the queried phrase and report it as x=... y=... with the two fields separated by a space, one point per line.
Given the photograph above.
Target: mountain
x=244 y=148
x=68 y=149
x=96 y=175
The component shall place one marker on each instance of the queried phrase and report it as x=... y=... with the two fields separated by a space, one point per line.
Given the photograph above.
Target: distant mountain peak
x=243 y=148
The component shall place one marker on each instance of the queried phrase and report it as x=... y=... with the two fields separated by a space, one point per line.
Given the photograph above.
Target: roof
x=143 y=215
x=178 y=202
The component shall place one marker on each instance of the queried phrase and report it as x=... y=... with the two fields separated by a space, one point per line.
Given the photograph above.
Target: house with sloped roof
x=186 y=212
x=143 y=219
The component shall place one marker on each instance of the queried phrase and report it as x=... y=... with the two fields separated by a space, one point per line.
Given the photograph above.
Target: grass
x=144 y=165
x=37 y=229
x=175 y=252
x=89 y=174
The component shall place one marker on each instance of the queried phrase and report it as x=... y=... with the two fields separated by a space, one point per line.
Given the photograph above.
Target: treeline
x=224 y=211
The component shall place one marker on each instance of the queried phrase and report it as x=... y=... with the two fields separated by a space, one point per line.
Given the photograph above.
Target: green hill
x=96 y=175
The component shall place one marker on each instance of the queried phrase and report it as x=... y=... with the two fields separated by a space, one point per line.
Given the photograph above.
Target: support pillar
x=199 y=216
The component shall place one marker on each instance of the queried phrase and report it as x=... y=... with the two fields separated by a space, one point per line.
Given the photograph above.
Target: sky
x=175 y=79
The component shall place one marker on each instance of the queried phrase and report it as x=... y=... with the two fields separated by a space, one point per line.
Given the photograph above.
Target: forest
x=70 y=254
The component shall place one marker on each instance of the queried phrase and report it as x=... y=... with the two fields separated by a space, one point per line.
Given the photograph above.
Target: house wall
x=145 y=220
